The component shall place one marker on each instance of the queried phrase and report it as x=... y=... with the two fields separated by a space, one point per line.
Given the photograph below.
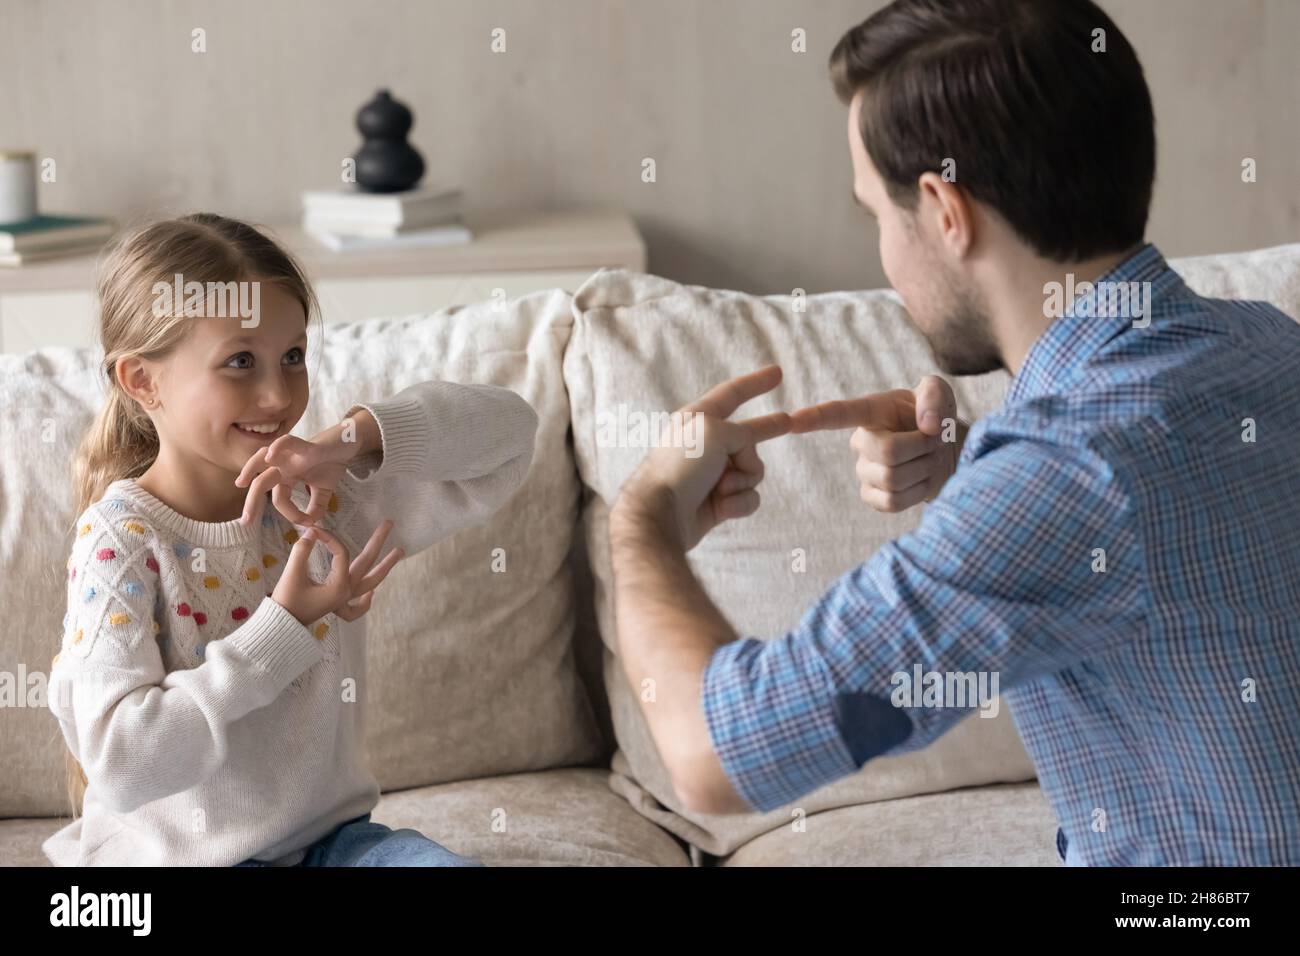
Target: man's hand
x=907 y=441
x=319 y=464
x=713 y=475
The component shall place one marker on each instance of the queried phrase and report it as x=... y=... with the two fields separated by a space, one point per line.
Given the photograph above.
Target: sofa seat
x=1002 y=825
x=567 y=817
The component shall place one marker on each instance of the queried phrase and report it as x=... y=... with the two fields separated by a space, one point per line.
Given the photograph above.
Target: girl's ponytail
x=121 y=442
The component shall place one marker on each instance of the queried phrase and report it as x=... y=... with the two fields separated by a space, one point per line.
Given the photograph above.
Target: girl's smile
x=260 y=435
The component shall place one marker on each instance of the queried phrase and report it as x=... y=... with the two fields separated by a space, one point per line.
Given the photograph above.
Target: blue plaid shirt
x=1117 y=549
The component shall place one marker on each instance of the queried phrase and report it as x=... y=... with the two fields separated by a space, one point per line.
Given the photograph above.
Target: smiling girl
x=208 y=644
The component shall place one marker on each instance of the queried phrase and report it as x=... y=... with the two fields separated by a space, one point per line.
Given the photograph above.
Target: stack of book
x=348 y=218
x=45 y=237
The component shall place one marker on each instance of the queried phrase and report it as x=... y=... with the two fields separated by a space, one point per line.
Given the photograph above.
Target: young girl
x=209 y=689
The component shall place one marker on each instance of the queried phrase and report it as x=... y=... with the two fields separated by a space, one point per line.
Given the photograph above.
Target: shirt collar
x=1095 y=316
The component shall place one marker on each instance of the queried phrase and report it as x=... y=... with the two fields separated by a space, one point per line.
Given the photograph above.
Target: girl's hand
x=288 y=461
x=362 y=579
x=302 y=597
x=348 y=589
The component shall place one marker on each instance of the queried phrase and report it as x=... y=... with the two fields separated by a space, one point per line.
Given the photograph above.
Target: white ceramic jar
x=17 y=185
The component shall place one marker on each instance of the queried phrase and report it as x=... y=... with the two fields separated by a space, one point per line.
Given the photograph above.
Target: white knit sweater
x=212 y=726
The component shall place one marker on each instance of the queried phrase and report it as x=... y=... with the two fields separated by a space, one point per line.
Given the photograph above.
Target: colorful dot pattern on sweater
x=123 y=590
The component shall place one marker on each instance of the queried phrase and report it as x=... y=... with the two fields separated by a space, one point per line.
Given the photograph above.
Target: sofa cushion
x=471 y=670
x=644 y=344
x=1004 y=825
x=21 y=839
x=551 y=818
x=1267 y=275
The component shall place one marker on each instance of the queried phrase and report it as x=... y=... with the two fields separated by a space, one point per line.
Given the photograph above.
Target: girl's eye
x=294 y=357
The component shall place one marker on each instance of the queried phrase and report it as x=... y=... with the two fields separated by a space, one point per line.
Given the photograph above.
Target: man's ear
x=949 y=210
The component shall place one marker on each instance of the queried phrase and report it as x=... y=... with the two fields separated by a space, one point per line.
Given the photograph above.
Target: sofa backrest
x=477 y=672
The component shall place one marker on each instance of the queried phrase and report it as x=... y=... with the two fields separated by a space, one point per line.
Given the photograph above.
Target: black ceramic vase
x=386 y=162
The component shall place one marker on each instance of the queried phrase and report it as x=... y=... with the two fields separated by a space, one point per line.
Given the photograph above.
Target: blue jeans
x=359 y=842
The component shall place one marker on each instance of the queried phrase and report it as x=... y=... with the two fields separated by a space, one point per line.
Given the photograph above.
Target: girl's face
x=223 y=376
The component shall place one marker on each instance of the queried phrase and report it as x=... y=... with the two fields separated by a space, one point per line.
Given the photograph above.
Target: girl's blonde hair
x=202 y=247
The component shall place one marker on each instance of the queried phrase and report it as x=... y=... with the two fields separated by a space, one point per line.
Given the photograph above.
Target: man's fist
x=907 y=441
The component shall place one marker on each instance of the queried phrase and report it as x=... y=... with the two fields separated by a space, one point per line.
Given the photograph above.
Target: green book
x=41 y=232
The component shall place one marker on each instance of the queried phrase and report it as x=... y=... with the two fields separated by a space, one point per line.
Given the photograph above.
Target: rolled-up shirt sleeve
x=1027 y=561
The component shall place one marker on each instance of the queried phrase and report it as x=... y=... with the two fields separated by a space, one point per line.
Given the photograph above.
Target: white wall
x=753 y=170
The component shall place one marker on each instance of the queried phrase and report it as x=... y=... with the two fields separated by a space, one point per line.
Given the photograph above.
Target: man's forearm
x=668 y=628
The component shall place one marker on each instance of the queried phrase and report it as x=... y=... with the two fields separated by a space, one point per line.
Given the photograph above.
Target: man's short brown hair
x=1045 y=127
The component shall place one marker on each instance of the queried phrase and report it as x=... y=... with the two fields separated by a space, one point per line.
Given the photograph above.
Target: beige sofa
x=499 y=721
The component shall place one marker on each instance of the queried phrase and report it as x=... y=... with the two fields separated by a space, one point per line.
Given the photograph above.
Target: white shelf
x=53 y=303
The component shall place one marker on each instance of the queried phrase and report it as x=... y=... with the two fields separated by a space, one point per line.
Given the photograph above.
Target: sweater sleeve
x=452 y=455
x=140 y=732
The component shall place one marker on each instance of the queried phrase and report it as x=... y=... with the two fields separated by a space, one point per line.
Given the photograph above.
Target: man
x=1120 y=543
